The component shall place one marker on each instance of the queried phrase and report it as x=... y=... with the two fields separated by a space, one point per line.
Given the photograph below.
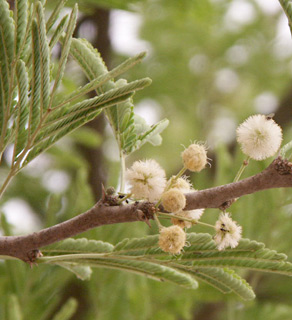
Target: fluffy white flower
x=147 y=180
x=228 y=232
x=260 y=137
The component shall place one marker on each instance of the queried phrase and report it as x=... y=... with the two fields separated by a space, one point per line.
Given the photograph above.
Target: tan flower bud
x=195 y=157
x=173 y=200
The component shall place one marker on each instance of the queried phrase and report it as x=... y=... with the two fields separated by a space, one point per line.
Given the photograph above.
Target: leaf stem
x=241 y=169
x=169 y=216
x=160 y=226
x=123 y=171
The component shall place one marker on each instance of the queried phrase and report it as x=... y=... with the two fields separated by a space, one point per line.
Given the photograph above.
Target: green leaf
x=287 y=147
x=23 y=111
x=81 y=272
x=121 y=118
x=200 y=259
x=44 y=60
x=6 y=58
x=6 y=36
x=59 y=31
x=101 y=80
x=287 y=7
x=55 y=14
x=36 y=83
x=65 y=50
x=13 y=308
x=226 y=281
x=20 y=16
x=151 y=270
x=89 y=59
x=81 y=245
x=53 y=133
x=67 y=310
x=146 y=133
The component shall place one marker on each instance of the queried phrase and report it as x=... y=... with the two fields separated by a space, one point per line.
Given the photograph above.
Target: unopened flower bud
x=173 y=200
x=195 y=157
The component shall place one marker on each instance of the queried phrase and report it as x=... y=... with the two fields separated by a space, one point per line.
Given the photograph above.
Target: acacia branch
x=277 y=175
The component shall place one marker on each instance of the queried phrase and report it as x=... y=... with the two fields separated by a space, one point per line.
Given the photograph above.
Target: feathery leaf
x=55 y=14
x=59 y=31
x=22 y=115
x=20 y=16
x=65 y=50
x=6 y=58
x=201 y=260
x=34 y=113
x=44 y=59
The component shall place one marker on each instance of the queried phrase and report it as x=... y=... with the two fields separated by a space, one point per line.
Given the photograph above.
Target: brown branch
x=26 y=247
x=277 y=175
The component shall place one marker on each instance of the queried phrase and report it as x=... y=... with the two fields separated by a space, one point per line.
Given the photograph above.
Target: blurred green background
x=213 y=63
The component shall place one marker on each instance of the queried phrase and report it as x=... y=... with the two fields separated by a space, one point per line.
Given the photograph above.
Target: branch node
x=109 y=197
x=282 y=166
x=32 y=256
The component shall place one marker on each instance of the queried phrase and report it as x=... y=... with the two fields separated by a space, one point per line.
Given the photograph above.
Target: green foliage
x=287 y=7
x=200 y=260
x=39 y=117
x=67 y=310
x=129 y=134
x=13 y=308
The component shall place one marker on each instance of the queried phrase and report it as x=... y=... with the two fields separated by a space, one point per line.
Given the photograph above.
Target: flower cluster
x=259 y=137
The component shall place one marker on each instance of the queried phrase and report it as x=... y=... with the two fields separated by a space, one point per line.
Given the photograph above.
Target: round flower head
x=228 y=233
x=192 y=214
x=172 y=239
x=173 y=200
x=195 y=157
x=147 y=180
x=260 y=137
x=182 y=183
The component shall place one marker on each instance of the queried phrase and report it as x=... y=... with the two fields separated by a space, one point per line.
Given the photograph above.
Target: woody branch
x=277 y=175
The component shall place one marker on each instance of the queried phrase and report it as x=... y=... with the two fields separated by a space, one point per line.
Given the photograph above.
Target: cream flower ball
x=260 y=137
x=195 y=157
x=172 y=239
x=147 y=180
x=173 y=200
x=228 y=232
